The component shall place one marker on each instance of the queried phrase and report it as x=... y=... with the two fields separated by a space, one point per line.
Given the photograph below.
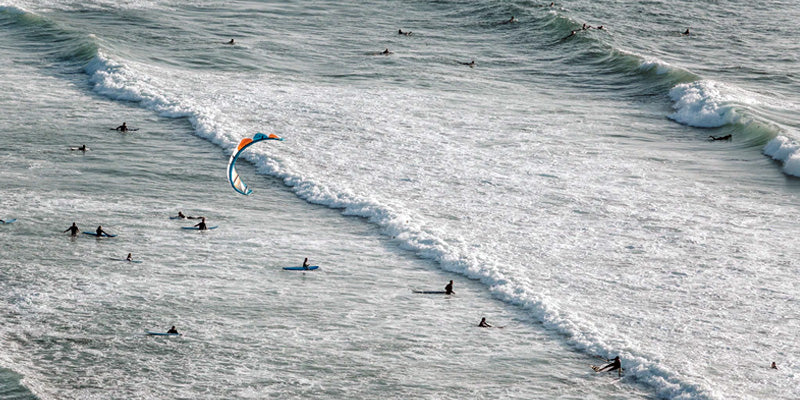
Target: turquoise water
x=565 y=184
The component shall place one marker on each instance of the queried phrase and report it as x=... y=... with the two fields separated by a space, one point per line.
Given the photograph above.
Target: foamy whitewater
x=566 y=183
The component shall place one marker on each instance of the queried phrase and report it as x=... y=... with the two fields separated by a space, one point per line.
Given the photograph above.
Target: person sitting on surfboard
x=122 y=128
x=774 y=366
x=484 y=324
x=202 y=225
x=172 y=330
x=73 y=230
x=82 y=148
x=449 y=288
x=386 y=52
x=231 y=42
x=130 y=257
x=101 y=232
x=615 y=364
x=305 y=263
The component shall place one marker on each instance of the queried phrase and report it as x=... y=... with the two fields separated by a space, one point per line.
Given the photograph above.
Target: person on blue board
x=172 y=330
x=484 y=324
x=449 y=288
x=615 y=364
x=202 y=225
x=101 y=232
x=305 y=263
x=122 y=128
x=73 y=230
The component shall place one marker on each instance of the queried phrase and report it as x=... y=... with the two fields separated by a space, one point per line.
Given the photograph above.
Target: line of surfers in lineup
x=614 y=364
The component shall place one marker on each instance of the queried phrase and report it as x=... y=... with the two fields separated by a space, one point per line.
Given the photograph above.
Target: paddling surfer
x=615 y=364
x=484 y=324
x=449 y=288
x=470 y=64
x=400 y=32
x=386 y=52
x=100 y=232
x=726 y=137
x=73 y=230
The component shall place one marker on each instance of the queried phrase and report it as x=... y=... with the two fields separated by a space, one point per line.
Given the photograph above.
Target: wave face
x=527 y=173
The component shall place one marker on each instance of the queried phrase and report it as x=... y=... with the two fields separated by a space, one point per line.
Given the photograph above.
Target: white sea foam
x=703 y=104
x=787 y=151
x=120 y=82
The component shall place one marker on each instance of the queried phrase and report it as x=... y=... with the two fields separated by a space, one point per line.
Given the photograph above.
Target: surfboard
x=175 y=218
x=9 y=221
x=310 y=268
x=429 y=291
x=162 y=334
x=95 y=234
x=125 y=259
x=196 y=228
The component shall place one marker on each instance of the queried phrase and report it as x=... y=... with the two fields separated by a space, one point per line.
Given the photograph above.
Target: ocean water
x=565 y=183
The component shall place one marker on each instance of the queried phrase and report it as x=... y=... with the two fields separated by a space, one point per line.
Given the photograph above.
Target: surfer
x=386 y=52
x=305 y=263
x=202 y=225
x=686 y=33
x=130 y=257
x=615 y=364
x=449 y=288
x=471 y=64
x=172 y=330
x=400 y=32
x=484 y=324
x=82 y=148
x=73 y=230
x=726 y=137
x=100 y=232
x=231 y=42
x=181 y=216
x=571 y=34
x=122 y=128
x=510 y=21
x=585 y=27
x=774 y=366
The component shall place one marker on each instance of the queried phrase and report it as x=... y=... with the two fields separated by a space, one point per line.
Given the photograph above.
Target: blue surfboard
x=95 y=234
x=8 y=221
x=310 y=268
x=162 y=334
x=196 y=228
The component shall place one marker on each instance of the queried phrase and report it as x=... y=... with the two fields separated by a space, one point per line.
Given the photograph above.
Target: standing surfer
x=73 y=230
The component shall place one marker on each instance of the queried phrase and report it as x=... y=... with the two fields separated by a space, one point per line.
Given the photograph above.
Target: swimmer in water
x=686 y=33
x=386 y=52
x=122 y=128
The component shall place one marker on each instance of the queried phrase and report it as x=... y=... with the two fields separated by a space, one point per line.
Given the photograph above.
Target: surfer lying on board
x=400 y=32
x=471 y=64
x=726 y=137
x=202 y=225
x=73 y=230
x=101 y=232
x=615 y=364
x=484 y=324
x=172 y=330
x=449 y=288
